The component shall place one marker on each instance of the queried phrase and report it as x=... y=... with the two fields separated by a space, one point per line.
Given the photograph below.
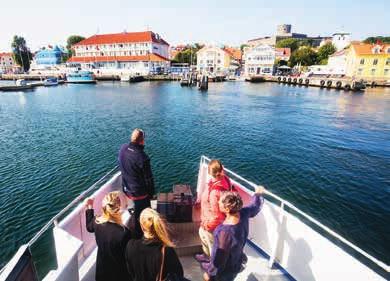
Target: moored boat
x=81 y=76
x=52 y=81
x=20 y=84
x=284 y=243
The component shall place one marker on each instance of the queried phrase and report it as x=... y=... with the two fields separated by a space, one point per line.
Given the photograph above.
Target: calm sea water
x=328 y=152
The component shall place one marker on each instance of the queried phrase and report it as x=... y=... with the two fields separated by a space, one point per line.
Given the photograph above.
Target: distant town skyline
x=44 y=22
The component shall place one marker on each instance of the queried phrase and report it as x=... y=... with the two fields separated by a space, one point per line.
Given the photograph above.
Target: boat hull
x=81 y=82
x=15 y=88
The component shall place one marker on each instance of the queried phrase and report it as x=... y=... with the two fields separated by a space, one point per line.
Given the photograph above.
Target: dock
x=346 y=84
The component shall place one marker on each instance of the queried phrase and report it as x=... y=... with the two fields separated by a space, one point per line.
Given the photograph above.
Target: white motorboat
x=284 y=243
x=52 y=81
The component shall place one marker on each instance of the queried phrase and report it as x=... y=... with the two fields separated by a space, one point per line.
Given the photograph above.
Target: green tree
x=324 y=52
x=304 y=56
x=73 y=39
x=291 y=43
x=243 y=46
x=374 y=39
x=21 y=53
x=186 y=56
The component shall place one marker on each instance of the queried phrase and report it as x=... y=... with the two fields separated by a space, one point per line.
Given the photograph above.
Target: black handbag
x=170 y=276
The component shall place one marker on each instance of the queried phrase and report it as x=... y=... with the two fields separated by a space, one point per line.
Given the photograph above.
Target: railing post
x=280 y=236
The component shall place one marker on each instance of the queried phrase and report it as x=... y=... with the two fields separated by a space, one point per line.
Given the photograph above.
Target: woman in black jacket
x=144 y=257
x=111 y=238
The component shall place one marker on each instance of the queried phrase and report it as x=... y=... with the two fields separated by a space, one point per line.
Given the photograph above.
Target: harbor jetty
x=346 y=84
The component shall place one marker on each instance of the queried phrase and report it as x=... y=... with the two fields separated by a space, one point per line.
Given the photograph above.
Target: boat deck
x=256 y=268
x=188 y=244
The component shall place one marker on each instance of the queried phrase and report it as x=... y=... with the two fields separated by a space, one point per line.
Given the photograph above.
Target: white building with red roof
x=133 y=52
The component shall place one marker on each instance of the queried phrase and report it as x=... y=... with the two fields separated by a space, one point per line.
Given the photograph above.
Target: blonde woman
x=111 y=238
x=145 y=258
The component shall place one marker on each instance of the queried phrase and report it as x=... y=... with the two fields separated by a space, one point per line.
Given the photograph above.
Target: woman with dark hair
x=227 y=255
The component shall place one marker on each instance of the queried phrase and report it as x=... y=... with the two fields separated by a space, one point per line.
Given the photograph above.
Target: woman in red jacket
x=211 y=216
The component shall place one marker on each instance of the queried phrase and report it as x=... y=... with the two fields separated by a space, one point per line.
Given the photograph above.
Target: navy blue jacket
x=137 y=177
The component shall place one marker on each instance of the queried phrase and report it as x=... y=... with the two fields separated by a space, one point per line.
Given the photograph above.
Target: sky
x=43 y=22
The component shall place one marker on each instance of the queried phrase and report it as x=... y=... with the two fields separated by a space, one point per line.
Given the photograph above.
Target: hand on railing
x=259 y=190
x=88 y=203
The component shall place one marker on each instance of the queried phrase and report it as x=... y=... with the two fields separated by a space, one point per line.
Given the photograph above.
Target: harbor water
x=326 y=151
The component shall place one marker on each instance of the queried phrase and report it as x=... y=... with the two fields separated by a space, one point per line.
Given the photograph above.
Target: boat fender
x=338 y=84
x=295 y=80
x=300 y=80
x=289 y=80
x=307 y=81
x=322 y=83
x=279 y=78
x=329 y=83
x=284 y=79
x=347 y=87
x=373 y=84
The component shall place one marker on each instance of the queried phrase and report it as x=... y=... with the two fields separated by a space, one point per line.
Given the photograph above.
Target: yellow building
x=213 y=60
x=368 y=61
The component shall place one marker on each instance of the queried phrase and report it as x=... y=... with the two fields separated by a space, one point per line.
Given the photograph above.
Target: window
x=362 y=61
x=373 y=71
x=387 y=72
x=360 y=71
x=388 y=61
x=375 y=62
x=218 y=61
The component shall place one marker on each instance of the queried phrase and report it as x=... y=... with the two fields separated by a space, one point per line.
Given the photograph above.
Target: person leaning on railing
x=211 y=216
x=227 y=255
x=111 y=238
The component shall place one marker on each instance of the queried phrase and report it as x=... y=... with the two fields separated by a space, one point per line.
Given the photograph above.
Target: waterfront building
x=133 y=52
x=259 y=60
x=215 y=60
x=49 y=56
x=368 y=61
x=282 y=54
x=7 y=63
x=336 y=66
x=341 y=40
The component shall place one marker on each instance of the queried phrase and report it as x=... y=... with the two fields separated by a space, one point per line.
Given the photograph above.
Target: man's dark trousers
x=139 y=206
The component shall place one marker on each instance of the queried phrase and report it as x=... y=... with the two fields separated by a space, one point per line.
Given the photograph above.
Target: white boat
x=52 y=81
x=21 y=82
x=125 y=78
x=283 y=243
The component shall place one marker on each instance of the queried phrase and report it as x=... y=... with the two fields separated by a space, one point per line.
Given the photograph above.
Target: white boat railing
x=54 y=220
x=282 y=209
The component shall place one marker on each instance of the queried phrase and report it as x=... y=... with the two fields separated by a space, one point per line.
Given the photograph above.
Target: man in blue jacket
x=137 y=177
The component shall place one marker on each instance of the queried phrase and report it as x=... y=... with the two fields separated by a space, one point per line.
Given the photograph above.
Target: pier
x=346 y=84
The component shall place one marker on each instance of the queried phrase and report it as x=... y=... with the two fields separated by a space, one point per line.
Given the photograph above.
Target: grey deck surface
x=256 y=268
